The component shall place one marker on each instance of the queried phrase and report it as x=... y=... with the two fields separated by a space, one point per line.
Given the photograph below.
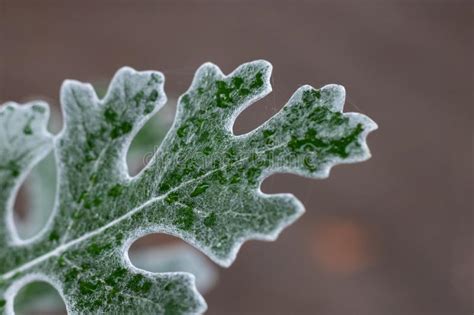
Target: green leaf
x=176 y=257
x=202 y=184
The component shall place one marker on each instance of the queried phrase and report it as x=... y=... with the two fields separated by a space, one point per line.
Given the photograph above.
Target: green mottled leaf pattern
x=202 y=184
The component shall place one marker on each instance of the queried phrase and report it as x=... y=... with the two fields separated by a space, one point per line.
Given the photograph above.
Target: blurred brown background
x=389 y=236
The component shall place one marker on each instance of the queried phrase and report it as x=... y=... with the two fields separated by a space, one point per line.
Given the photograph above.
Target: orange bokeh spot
x=342 y=246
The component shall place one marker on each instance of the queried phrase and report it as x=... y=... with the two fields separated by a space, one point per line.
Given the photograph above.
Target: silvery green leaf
x=172 y=258
x=162 y=258
x=202 y=184
x=41 y=184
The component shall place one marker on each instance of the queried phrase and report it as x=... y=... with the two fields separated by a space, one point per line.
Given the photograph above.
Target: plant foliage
x=202 y=185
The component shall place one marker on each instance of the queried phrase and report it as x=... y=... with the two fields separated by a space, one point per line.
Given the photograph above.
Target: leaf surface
x=202 y=184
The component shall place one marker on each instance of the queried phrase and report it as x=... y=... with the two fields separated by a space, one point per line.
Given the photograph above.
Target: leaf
x=176 y=257
x=163 y=258
x=202 y=184
x=41 y=187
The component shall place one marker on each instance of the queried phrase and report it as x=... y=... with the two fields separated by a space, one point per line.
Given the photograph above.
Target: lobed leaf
x=202 y=185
